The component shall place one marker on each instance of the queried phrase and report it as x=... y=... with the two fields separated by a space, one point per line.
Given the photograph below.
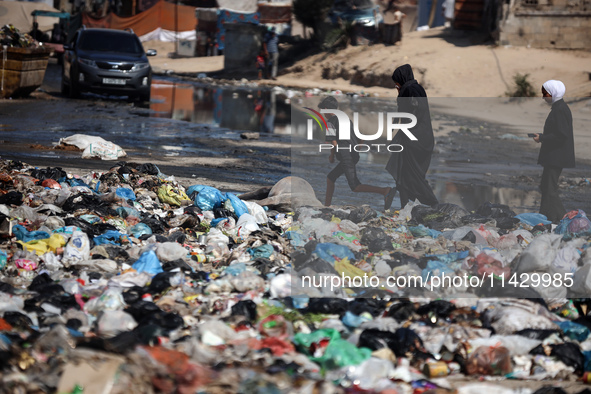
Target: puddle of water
x=235 y=108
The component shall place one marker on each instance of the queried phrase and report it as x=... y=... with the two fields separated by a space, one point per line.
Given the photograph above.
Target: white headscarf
x=555 y=88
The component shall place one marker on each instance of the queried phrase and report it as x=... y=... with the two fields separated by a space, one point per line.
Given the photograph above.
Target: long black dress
x=410 y=166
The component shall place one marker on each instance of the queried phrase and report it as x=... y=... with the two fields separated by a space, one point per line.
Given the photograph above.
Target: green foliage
x=338 y=38
x=523 y=88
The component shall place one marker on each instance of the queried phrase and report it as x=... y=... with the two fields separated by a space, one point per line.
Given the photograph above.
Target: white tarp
x=168 y=35
x=243 y=6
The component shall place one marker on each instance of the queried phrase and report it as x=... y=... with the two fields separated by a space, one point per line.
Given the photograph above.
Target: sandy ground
x=450 y=64
x=447 y=63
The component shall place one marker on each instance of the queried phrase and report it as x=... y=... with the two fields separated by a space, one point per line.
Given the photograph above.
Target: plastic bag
x=140 y=229
x=148 y=262
x=208 y=197
x=239 y=207
x=330 y=252
x=539 y=254
x=533 y=218
x=125 y=193
x=489 y=360
x=77 y=249
x=172 y=196
x=246 y=225
x=575 y=224
x=257 y=211
x=326 y=348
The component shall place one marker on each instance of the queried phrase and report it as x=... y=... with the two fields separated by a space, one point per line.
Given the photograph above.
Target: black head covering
x=329 y=103
x=403 y=74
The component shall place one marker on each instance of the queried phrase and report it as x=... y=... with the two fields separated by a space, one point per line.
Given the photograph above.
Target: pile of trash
x=127 y=281
x=12 y=37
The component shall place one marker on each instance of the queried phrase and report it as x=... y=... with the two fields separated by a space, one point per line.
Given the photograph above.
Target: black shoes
x=388 y=198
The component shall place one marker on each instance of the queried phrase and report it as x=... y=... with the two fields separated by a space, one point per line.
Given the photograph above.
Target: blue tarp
x=226 y=16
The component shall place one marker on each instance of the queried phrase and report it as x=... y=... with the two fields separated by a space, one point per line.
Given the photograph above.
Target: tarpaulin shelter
x=163 y=21
x=18 y=14
x=227 y=16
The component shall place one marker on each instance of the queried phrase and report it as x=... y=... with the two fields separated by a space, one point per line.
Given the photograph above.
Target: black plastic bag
x=362 y=214
x=401 y=311
x=376 y=239
x=569 y=353
x=439 y=308
x=495 y=210
x=334 y=306
x=12 y=198
x=48 y=173
x=246 y=308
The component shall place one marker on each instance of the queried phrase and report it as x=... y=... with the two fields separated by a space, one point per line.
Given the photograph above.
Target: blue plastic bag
x=239 y=206
x=209 y=198
x=140 y=229
x=296 y=238
x=449 y=257
x=235 y=269
x=353 y=321
x=574 y=224
x=124 y=212
x=125 y=193
x=328 y=252
x=533 y=218
x=22 y=234
x=575 y=331
x=112 y=237
x=435 y=268
x=264 y=251
x=148 y=262
x=77 y=182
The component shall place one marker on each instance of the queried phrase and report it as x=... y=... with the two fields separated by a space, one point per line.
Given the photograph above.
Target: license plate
x=113 y=81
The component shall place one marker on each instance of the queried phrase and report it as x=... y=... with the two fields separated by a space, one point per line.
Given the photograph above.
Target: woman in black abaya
x=410 y=166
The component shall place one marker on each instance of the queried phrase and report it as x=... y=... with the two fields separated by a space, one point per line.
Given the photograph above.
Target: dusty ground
x=448 y=63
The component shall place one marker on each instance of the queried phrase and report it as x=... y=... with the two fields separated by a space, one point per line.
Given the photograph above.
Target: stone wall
x=547 y=29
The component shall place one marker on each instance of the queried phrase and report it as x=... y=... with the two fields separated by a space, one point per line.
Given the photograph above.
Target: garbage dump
x=127 y=281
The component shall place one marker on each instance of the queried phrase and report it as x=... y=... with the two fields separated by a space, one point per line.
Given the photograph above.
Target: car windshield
x=103 y=41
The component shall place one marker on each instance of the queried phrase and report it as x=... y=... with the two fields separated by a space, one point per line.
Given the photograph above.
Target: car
x=363 y=12
x=106 y=61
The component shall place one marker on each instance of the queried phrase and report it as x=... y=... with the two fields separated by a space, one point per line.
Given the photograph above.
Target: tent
x=18 y=13
x=164 y=22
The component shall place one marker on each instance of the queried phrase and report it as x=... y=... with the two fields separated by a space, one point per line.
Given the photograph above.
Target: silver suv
x=107 y=61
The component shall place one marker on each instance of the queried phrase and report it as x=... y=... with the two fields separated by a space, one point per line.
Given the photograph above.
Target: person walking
x=346 y=156
x=409 y=167
x=558 y=148
x=272 y=51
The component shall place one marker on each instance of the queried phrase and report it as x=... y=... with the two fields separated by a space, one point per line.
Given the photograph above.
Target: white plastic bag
x=257 y=211
x=539 y=254
x=93 y=146
x=77 y=249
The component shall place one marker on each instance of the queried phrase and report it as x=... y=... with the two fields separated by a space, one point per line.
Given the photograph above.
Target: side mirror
x=151 y=52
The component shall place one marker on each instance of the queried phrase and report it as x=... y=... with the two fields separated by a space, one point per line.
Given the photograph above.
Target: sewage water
x=266 y=110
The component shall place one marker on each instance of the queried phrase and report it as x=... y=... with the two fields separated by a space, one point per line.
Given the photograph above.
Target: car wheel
x=144 y=97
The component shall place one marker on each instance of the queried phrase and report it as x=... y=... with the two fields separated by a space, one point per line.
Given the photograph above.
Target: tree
x=311 y=13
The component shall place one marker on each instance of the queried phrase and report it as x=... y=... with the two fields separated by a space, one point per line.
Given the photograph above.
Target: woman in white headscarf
x=558 y=148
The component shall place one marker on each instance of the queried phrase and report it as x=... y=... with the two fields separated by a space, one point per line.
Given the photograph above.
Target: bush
x=523 y=88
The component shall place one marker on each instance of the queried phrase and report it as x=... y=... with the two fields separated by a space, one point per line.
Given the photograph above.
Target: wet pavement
x=192 y=130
